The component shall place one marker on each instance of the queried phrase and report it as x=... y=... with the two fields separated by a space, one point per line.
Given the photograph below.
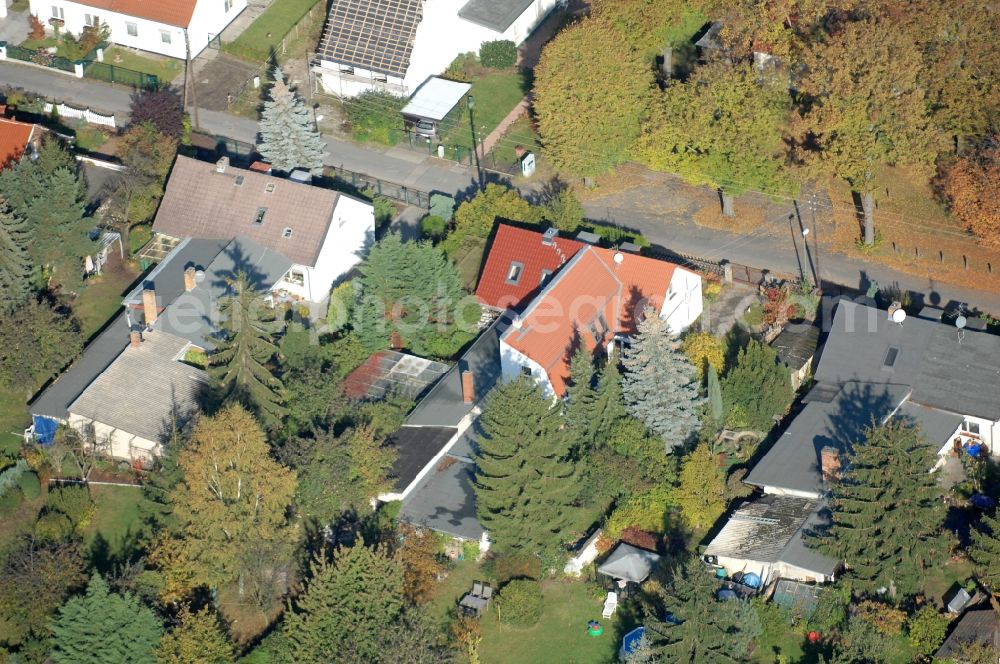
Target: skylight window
x=269 y=188
x=259 y=218
x=514 y=273
x=890 y=357
x=238 y=181
x=287 y=233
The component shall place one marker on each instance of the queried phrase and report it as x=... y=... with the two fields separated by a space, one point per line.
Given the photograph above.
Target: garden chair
x=477 y=589
x=610 y=605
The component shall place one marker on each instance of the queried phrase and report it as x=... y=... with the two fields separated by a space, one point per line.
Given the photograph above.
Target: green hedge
x=499 y=54
x=520 y=602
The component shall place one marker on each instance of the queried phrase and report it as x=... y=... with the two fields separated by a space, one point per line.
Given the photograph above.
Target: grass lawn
x=102 y=297
x=560 y=635
x=495 y=94
x=116 y=528
x=266 y=33
x=452 y=588
x=468 y=259
x=13 y=419
x=503 y=155
x=164 y=69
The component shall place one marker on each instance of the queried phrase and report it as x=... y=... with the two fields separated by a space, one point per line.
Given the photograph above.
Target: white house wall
x=683 y=304
x=342 y=84
x=208 y=20
x=512 y=361
x=123 y=445
x=771 y=571
x=352 y=230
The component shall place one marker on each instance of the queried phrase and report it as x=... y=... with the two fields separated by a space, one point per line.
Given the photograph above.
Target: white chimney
x=222 y=165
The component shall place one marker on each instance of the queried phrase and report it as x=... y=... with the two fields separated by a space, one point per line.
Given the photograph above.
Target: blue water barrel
x=751 y=580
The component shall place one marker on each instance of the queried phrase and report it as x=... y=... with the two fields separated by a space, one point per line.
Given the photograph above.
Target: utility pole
x=194 y=86
x=472 y=134
x=812 y=206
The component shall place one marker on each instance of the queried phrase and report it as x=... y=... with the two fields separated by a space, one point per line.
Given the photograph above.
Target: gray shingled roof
x=796 y=345
x=145 y=389
x=793 y=462
x=377 y=35
x=976 y=626
x=202 y=203
x=936 y=425
x=770 y=529
x=947 y=371
x=497 y=15
x=445 y=501
x=194 y=315
x=415 y=447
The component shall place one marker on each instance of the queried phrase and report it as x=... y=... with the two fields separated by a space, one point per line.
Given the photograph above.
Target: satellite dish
x=961 y=322
x=898 y=316
x=619 y=258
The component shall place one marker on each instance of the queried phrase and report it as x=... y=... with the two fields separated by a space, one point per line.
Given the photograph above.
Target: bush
x=29 y=485
x=341 y=307
x=374 y=116
x=10 y=501
x=73 y=501
x=520 y=602
x=461 y=67
x=702 y=348
x=433 y=227
x=506 y=566
x=927 y=628
x=385 y=209
x=886 y=619
x=499 y=54
x=10 y=476
x=442 y=206
x=53 y=526
x=646 y=511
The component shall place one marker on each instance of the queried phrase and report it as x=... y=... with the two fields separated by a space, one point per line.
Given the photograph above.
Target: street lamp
x=471 y=102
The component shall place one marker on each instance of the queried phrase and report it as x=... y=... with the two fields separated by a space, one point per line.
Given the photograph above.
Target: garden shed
x=431 y=103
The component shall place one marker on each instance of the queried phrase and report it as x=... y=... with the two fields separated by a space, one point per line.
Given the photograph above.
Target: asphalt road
x=430 y=174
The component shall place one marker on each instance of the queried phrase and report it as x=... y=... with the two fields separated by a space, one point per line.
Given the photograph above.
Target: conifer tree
x=716 y=408
x=524 y=484
x=985 y=553
x=659 y=386
x=887 y=513
x=347 y=606
x=102 y=627
x=709 y=631
x=757 y=388
x=608 y=409
x=702 y=490
x=580 y=398
x=197 y=639
x=288 y=136
x=240 y=358
x=15 y=264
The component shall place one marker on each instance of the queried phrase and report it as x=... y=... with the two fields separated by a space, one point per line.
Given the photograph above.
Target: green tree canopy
x=757 y=388
x=592 y=94
x=580 y=397
x=346 y=608
x=411 y=291
x=102 y=627
x=476 y=217
x=239 y=361
x=15 y=263
x=198 y=638
x=35 y=343
x=887 y=513
x=525 y=485
x=701 y=493
x=660 y=385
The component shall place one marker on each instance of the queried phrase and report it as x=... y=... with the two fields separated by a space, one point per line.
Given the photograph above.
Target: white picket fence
x=85 y=113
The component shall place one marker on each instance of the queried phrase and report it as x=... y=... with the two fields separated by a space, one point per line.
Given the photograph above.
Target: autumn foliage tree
x=972 y=186
x=421 y=560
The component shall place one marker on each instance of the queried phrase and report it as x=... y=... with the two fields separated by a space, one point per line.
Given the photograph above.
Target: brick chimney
x=135 y=338
x=149 y=305
x=468 y=386
x=395 y=341
x=189 y=279
x=829 y=463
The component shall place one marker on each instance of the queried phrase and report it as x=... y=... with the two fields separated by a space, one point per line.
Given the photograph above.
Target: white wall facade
x=116 y=442
x=513 y=362
x=208 y=20
x=772 y=570
x=351 y=232
x=346 y=81
x=683 y=303
x=441 y=36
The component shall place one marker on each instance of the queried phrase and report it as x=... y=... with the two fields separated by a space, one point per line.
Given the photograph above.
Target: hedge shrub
x=73 y=501
x=499 y=54
x=520 y=602
x=29 y=485
x=53 y=526
x=433 y=227
x=9 y=477
x=374 y=116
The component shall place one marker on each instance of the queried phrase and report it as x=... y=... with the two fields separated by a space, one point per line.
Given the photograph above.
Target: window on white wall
x=296 y=277
x=132 y=29
x=57 y=12
x=165 y=36
x=971 y=427
x=91 y=20
x=526 y=371
x=228 y=4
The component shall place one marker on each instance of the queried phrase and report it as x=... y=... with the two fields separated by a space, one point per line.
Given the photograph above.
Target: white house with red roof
x=158 y=26
x=15 y=139
x=569 y=293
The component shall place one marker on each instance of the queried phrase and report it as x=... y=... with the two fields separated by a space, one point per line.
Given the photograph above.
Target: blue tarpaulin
x=751 y=580
x=974 y=450
x=45 y=429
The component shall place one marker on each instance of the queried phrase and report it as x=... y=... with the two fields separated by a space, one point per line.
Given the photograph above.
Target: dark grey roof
x=711 y=37
x=630 y=563
x=796 y=345
x=444 y=500
x=194 y=315
x=936 y=425
x=146 y=391
x=976 y=626
x=444 y=405
x=54 y=401
x=377 y=35
x=497 y=15
x=947 y=371
x=793 y=462
x=770 y=529
x=415 y=447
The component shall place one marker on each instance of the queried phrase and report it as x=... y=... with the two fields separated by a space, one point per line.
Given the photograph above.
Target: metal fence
x=366 y=183
x=103 y=71
x=40 y=57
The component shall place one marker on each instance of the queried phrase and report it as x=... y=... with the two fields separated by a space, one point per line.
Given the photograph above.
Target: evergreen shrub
x=498 y=54
x=520 y=602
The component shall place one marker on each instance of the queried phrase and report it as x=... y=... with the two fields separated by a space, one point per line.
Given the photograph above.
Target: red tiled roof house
x=14 y=139
x=570 y=294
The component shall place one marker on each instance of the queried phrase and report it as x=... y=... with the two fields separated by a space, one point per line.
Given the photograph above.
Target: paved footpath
x=676 y=232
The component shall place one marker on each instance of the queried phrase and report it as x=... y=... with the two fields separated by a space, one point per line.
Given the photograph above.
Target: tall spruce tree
x=346 y=608
x=15 y=263
x=288 y=136
x=985 y=554
x=660 y=385
x=524 y=484
x=239 y=361
x=580 y=398
x=102 y=627
x=887 y=513
x=198 y=638
x=608 y=408
x=757 y=388
x=709 y=631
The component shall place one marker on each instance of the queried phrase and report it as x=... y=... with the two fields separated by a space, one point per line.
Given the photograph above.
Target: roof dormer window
x=514 y=273
x=287 y=233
